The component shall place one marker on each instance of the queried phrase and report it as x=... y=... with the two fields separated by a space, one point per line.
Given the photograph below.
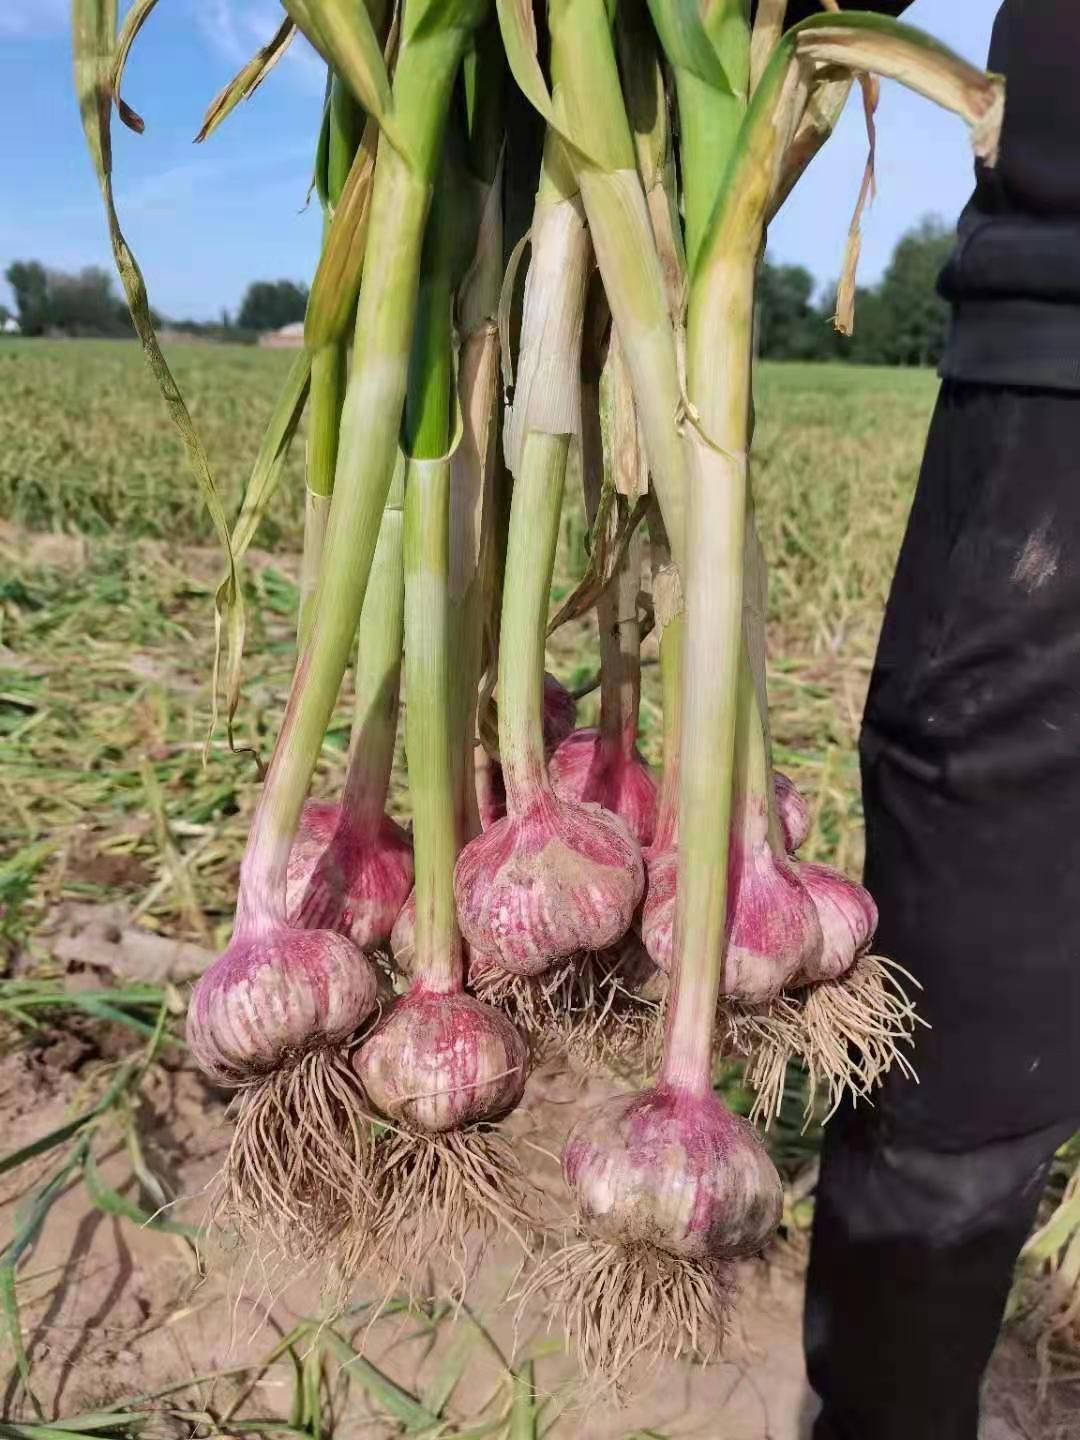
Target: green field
x=107 y=576
x=109 y=566
x=108 y=570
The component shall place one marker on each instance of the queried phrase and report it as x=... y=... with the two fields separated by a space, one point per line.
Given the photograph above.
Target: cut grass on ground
x=106 y=614
x=107 y=576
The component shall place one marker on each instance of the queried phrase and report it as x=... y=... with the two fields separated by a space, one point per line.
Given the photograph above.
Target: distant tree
x=915 y=319
x=789 y=325
x=30 y=286
x=902 y=320
x=269 y=304
x=53 y=300
x=84 y=304
x=220 y=331
x=869 y=342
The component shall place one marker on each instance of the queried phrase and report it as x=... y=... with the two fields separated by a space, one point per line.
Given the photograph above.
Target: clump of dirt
x=37 y=1076
x=90 y=866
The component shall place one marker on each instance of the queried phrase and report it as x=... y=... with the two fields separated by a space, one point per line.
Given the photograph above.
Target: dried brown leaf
x=244 y=84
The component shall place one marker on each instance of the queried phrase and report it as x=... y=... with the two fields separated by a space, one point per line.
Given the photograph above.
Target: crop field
x=110 y=565
x=119 y=850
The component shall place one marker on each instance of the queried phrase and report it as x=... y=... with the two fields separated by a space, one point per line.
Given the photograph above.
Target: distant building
x=289 y=337
x=10 y=326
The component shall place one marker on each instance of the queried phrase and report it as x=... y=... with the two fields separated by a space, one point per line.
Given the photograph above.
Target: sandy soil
x=111 y=1309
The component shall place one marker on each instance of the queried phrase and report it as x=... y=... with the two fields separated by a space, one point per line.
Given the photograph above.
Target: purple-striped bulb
x=560 y=712
x=403 y=941
x=558 y=716
x=590 y=767
x=658 y=910
x=774 y=930
x=403 y=935
x=848 y=918
x=478 y=966
x=342 y=878
x=270 y=997
x=543 y=885
x=679 y=1172
x=439 y=1062
x=793 y=812
x=773 y=927
x=490 y=790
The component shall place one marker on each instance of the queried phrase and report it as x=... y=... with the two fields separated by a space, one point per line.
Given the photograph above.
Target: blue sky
x=205 y=220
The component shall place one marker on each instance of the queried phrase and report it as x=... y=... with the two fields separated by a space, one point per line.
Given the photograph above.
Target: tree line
x=51 y=301
x=900 y=321
x=86 y=303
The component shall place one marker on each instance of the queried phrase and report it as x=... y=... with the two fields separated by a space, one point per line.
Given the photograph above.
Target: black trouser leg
x=971 y=782
x=912 y=1259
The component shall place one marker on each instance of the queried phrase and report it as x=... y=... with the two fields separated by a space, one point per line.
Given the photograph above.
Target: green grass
x=88 y=446
x=106 y=613
x=107 y=575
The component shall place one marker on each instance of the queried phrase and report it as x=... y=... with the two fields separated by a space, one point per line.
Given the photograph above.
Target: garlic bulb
x=276 y=995
x=539 y=886
x=590 y=768
x=440 y=1062
x=673 y=1170
x=342 y=878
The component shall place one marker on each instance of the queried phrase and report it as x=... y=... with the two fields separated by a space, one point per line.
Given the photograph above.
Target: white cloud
x=32 y=19
x=178 y=188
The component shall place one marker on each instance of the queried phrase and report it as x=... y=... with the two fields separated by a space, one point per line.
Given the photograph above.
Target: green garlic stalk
x=340 y=142
x=430 y=712
x=545 y=417
x=440 y=1061
x=378 y=669
x=719 y=354
x=474 y=474
x=552 y=878
x=433 y=40
x=586 y=81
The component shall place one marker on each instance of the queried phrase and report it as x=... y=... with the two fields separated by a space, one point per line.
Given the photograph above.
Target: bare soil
x=111 y=1309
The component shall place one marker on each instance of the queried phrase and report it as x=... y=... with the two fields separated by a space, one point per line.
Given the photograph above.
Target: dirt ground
x=111 y=1309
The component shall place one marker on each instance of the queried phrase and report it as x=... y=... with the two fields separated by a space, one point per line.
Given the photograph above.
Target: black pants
x=971 y=781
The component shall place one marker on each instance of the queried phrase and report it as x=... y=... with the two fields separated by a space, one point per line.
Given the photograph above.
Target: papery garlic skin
x=440 y=1062
x=560 y=712
x=276 y=995
x=490 y=789
x=679 y=1172
x=559 y=715
x=774 y=932
x=344 y=879
x=590 y=768
x=848 y=917
x=792 y=812
x=403 y=943
x=658 y=911
x=543 y=885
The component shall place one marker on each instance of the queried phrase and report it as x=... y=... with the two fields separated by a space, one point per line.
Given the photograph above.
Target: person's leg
x=971 y=777
x=912 y=1259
